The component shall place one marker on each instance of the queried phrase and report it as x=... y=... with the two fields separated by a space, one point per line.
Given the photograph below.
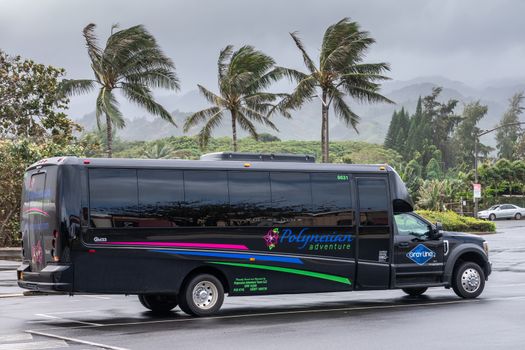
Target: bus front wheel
x=468 y=280
x=158 y=303
x=202 y=295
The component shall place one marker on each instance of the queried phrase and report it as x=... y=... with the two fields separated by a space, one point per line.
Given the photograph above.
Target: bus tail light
x=54 y=256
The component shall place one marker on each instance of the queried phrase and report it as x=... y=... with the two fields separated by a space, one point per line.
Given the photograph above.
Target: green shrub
x=455 y=222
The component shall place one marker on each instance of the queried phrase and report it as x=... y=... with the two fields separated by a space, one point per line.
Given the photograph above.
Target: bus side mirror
x=436 y=232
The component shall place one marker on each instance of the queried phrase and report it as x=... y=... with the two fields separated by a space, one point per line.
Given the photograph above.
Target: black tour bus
x=181 y=232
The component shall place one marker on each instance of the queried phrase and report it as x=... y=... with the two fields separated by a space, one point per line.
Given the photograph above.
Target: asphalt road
x=355 y=320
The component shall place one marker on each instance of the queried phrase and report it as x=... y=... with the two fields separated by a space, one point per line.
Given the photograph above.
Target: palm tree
x=131 y=62
x=243 y=76
x=340 y=72
x=159 y=150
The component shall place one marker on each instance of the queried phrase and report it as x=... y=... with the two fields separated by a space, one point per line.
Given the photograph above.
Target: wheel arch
x=219 y=274
x=470 y=252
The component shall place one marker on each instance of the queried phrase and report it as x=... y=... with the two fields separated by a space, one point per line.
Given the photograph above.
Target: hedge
x=455 y=222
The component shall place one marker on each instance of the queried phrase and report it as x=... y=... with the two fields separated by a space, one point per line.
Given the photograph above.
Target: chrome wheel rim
x=205 y=295
x=470 y=280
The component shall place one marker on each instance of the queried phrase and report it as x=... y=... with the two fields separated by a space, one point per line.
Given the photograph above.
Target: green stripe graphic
x=288 y=270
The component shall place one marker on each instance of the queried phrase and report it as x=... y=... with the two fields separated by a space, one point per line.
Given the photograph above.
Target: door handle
x=403 y=245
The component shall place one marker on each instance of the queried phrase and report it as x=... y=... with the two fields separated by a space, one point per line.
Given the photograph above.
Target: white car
x=502 y=211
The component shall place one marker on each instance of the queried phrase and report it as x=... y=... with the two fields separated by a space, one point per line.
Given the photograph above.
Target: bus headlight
x=486 y=247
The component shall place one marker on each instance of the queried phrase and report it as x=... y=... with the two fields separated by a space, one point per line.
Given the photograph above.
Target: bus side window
x=291 y=196
x=250 y=198
x=331 y=199
x=373 y=202
x=113 y=197
x=206 y=197
x=161 y=194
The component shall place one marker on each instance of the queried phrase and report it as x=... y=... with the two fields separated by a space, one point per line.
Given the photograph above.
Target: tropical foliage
x=132 y=63
x=243 y=77
x=31 y=104
x=452 y=221
x=340 y=73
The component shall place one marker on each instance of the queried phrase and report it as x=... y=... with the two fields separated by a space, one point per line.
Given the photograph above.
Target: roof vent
x=259 y=157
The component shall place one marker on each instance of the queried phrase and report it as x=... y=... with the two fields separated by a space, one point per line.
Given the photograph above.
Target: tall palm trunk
x=234 y=130
x=324 y=128
x=109 y=134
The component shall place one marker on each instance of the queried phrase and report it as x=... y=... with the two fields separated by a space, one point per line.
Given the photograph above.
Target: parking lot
x=362 y=320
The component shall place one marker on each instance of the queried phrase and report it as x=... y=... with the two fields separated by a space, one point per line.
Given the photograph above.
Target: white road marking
x=75 y=340
x=15 y=337
x=96 y=297
x=291 y=312
x=68 y=320
x=11 y=295
x=49 y=344
x=69 y=312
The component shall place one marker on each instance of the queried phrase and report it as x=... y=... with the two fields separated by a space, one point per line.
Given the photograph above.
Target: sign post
x=477 y=191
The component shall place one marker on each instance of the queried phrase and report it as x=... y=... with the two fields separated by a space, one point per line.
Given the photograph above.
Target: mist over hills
x=305 y=124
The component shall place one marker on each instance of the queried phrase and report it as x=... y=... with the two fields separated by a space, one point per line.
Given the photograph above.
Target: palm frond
x=211 y=97
x=252 y=114
x=343 y=111
x=72 y=87
x=247 y=125
x=94 y=50
x=307 y=60
x=110 y=106
x=213 y=122
x=155 y=78
x=222 y=64
x=142 y=96
x=200 y=116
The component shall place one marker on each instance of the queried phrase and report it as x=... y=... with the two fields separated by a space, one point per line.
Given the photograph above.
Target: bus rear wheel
x=202 y=295
x=414 y=292
x=159 y=304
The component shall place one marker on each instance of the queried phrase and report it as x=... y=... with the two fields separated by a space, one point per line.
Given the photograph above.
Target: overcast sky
x=474 y=41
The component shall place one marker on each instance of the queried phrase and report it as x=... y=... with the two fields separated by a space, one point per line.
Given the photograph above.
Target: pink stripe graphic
x=184 y=245
x=36 y=210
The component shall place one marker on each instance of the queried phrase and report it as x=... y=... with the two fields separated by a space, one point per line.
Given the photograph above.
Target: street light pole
x=476 y=141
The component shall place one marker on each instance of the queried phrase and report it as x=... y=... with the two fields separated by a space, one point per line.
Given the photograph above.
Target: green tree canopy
x=31 y=104
x=507 y=137
x=131 y=62
x=244 y=75
x=341 y=72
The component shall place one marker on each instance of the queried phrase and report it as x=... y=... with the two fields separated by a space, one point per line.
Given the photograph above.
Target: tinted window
x=161 y=194
x=206 y=197
x=373 y=194
x=331 y=200
x=250 y=198
x=113 y=197
x=373 y=202
x=291 y=192
x=330 y=192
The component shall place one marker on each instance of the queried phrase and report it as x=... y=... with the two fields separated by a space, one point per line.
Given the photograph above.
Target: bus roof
x=211 y=164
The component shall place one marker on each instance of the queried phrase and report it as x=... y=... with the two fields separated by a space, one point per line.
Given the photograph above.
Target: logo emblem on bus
x=421 y=254
x=271 y=238
x=37 y=255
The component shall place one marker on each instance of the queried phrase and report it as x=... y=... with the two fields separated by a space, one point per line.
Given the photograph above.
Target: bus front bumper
x=52 y=278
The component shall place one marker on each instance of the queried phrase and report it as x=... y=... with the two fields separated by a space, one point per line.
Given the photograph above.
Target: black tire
x=414 y=292
x=212 y=297
x=517 y=216
x=159 y=304
x=492 y=217
x=465 y=275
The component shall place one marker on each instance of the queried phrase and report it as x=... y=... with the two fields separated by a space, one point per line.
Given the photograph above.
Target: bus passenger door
x=374 y=233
